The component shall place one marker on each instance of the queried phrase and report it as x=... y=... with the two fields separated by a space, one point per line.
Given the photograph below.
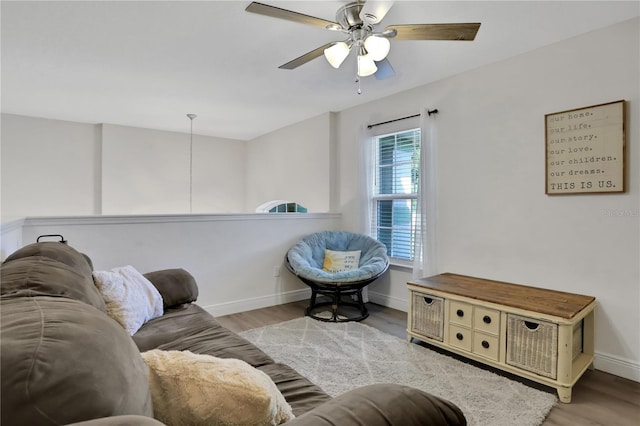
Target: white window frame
x=376 y=196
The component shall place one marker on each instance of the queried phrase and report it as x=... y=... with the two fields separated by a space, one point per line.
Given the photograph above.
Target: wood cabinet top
x=550 y=302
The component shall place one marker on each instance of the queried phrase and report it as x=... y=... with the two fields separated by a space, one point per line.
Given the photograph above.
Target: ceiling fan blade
x=307 y=57
x=466 y=31
x=374 y=11
x=385 y=70
x=276 y=12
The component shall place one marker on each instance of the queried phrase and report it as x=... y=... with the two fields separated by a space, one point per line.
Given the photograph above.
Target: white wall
x=292 y=164
x=10 y=237
x=494 y=219
x=219 y=175
x=49 y=167
x=148 y=172
x=144 y=171
x=82 y=169
x=232 y=257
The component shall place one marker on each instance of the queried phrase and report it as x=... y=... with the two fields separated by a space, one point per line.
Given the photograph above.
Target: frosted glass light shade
x=366 y=66
x=337 y=53
x=378 y=47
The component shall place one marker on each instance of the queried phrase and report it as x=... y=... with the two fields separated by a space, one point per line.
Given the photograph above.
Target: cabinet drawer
x=460 y=337
x=486 y=320
x=427 y=315
x=486 y=345
x=460 y=313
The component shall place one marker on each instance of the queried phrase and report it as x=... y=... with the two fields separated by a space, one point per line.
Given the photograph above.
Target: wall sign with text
x=585 y=150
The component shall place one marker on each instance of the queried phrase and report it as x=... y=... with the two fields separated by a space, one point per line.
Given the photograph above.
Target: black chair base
x=337 y=305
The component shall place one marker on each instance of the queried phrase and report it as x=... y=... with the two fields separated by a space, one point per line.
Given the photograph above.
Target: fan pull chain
x=359 y=91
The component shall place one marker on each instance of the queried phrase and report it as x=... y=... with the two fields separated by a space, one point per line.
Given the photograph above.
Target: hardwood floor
x=597 y=399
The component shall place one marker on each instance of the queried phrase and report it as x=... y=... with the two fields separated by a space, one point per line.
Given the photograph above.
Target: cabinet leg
x=564 y=394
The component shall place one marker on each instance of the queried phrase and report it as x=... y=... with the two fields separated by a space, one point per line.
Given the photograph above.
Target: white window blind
x=395 y=192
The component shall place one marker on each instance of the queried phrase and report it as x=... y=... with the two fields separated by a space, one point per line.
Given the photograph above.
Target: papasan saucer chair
x=309 y=258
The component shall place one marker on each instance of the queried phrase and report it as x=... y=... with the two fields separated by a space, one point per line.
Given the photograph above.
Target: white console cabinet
x=539 y=334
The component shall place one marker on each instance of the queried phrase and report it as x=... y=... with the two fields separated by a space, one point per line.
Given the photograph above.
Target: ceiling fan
x=358 y=21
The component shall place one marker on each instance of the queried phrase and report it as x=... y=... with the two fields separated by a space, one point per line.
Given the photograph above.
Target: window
x=280 y=206
x=395 y=192
x=288 y=208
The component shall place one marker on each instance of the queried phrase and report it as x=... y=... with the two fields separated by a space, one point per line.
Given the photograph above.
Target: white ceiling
x=149 y=63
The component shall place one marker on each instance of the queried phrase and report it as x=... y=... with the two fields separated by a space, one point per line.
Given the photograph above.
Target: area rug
x=339 y=357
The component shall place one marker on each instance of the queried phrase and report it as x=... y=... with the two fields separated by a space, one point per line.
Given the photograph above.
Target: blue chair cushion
x=307 y=256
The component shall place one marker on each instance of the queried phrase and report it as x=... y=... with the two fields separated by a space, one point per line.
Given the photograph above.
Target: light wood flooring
x=597 y=399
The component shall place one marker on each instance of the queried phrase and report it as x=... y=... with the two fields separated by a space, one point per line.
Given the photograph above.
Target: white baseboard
x=244 y=305
x=388 y=301
x=617 y=366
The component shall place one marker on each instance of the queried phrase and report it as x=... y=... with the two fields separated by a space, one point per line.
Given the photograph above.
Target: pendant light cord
x=191 y=117
x=191 y=170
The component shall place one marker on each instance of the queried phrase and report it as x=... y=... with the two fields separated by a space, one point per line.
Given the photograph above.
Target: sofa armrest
x=176 y=286
x=123 y=420
x=383 y=405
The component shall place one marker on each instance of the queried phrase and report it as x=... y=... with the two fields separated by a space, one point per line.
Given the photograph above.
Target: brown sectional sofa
x=65 y=361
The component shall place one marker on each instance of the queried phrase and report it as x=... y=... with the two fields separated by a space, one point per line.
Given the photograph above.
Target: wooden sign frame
x=585 y=150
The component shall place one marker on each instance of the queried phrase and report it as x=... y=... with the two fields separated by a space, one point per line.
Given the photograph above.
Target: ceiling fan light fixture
x=378 y=47
x=357 y=19
x=336 y=54
x=366 y=65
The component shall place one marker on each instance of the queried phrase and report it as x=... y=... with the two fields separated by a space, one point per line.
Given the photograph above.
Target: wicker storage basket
x=428 y=316
x=532 y=345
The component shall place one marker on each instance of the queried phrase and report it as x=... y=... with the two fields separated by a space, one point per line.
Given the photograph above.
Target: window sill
x=400 y=263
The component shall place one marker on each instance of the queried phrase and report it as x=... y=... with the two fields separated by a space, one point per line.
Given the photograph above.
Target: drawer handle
x=460 y=313
x=485 y=344
x=531 y=325
x=486 y=319
x=428 y=300
x=459 y=336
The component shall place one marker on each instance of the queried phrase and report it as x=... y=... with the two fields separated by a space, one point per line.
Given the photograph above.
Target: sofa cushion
x=55 y=251
x=64 y=361
x=383 y=405
x=56 y=270
x=193 y=389
x=176 y=286
x=191 y=328
x=300 y=393
x=130 y=298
